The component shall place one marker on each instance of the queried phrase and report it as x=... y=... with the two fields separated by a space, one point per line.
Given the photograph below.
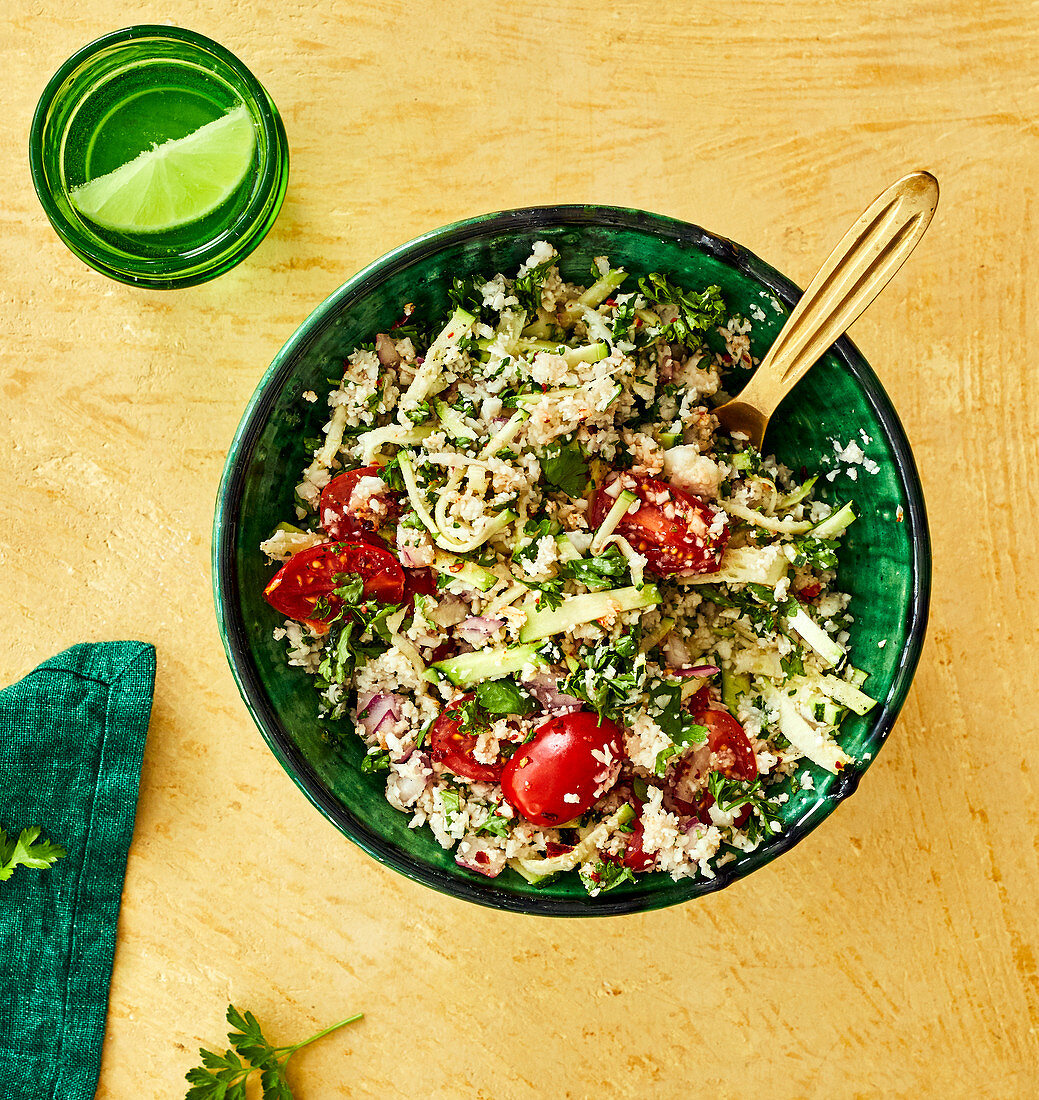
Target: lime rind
x=174 y=184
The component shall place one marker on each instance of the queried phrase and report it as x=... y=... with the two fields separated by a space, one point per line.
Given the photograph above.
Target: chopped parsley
x=563 y=466
x=698 y=313
x=610 y=677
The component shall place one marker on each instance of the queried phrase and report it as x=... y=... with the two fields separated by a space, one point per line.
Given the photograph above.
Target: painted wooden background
x=894 y=952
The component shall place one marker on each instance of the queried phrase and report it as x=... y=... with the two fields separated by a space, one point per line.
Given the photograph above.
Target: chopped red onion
x=698 y=670
x=386 y=350
x=544 y=686
x=410 y=557
x=479 y=627
x=676 y=651
x=379 y=711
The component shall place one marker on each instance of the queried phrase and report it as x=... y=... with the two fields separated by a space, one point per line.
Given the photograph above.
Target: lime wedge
x=173 y=184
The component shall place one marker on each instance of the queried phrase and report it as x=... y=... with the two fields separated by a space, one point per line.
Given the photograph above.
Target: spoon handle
x=854 y=273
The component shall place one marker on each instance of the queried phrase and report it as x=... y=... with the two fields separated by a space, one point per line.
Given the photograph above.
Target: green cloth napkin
x=71 y=741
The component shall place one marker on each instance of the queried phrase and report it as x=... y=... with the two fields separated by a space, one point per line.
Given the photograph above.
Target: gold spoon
x=854 y=273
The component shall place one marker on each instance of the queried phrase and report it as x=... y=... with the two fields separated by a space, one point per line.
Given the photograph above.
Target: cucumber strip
x=835 y=524
x=460 y=569
x=428 y=375
x=787 y=502
x=567 y=550
x=507 y=434
x=814 y=743
x=588 y=353
x=506 y=598
x=658 y=635
x=734 y=684
x=393 y=433
x=766 y=565
x=602 y=288
x=586 y=608
x=800 y=621
x=450 y=420
x=623 y=502
x=333 y=438
x=483 y=664
x=769 y=523
x=846 y=694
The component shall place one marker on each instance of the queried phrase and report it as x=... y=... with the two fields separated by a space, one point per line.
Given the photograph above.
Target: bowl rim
x=225 y=580
x=256 y=219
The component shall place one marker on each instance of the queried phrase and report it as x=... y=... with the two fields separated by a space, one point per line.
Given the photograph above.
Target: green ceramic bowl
x=884 y=560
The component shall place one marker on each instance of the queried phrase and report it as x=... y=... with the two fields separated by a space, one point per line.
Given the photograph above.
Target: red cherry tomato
x=809 y=592
x=728 y=751
x=342 y=521
x=419 y=582
x=312 y=575
x=731 y=751
x=454 y=749
x=672 y=528
x=555 y=777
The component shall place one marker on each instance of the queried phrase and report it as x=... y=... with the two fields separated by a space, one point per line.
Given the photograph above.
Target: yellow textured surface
x=893 y=952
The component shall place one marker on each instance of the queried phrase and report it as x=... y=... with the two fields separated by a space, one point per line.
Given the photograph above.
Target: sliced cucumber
x=651 y=641
x=846 y=694
x=814 y=743
x=766 y=565
x=835 y=524
x=586 y=609
x=613 y=517
x=483 y=664
x=800 y=621
x=462 y=570
x=452 y=422
x=567 y=550
x=734 y=684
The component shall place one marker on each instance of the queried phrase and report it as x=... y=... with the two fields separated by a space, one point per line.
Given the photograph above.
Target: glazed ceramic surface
x=884 y=557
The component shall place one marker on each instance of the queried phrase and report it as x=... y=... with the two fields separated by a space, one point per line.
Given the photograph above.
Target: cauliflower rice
x=589 y=631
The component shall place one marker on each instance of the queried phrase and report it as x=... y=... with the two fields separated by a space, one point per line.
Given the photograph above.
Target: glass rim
x=272 y=174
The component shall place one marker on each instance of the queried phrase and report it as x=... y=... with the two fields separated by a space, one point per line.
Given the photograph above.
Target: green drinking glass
x=159 y=159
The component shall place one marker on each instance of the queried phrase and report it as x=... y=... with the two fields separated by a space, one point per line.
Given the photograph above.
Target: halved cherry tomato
x=312 y=575
x=336 y=515
x=419 y=582
x=454 y=749
x=730 y=753
x=556 y=777
x=671 y=529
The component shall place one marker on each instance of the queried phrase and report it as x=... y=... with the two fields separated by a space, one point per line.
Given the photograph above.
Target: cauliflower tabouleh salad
x=577 y=627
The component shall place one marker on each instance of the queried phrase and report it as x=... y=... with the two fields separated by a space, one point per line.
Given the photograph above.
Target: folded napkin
x=71 y=741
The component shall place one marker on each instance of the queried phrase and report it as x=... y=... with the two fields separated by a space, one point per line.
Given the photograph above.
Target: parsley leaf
x=733 y=794
x=611 y=677
x=27 y=851
x=665 y=708
x=604 y=876
x=564 y=467
x=527 y=288
x=816 y=553
x=503 y=697
x=496 y=825
x=697 y=313
x=375 y=762
x=608 y=570
x=223 y=1076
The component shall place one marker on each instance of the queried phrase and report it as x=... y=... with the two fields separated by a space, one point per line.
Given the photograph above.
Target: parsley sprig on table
x=224 y=1076
x=27 y=851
